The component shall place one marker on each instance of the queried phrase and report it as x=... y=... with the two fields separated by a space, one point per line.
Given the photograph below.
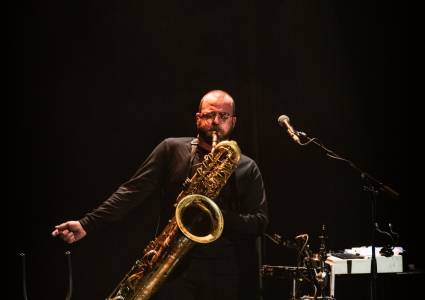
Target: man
x=226 y=268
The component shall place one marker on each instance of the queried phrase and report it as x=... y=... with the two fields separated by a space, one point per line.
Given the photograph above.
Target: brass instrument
x=214 y=139
x=197 y=220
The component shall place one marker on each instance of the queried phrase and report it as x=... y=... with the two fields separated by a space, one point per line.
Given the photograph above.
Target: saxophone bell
x=199 y=218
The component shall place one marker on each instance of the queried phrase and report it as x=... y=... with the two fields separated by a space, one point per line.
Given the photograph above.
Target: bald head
x=217 y=96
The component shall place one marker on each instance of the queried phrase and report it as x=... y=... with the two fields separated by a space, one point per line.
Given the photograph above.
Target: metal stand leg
x=294 y=287
x=332 y=284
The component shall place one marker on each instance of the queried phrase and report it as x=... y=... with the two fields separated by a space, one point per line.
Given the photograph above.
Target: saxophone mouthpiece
x=214 y=139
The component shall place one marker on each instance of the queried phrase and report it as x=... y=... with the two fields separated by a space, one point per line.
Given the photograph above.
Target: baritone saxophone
x=197 y=219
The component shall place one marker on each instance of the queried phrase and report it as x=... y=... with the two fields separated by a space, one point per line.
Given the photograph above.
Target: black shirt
x=242 y=200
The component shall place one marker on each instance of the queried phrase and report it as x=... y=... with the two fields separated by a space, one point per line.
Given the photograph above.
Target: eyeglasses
x=223 y=116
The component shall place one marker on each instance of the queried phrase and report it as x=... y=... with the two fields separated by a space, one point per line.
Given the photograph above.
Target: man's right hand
x=70 y=231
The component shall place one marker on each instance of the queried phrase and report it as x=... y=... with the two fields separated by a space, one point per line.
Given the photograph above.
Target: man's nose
x=216 y=119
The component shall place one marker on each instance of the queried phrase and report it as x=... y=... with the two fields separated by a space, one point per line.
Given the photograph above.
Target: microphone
x=281 y=241
x=283 y=121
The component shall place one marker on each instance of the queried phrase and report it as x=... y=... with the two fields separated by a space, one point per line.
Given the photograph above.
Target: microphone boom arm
x=364 y=175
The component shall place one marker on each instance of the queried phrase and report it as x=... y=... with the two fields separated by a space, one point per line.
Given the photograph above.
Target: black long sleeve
x=143 y=184
x=163 y=173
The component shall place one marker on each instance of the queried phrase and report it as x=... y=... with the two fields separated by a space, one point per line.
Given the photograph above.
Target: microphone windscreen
x=281 y=120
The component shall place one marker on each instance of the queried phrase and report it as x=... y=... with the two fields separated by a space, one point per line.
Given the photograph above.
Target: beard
x=206 y=134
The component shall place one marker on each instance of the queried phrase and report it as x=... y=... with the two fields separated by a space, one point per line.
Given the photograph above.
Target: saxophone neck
x=214 y=140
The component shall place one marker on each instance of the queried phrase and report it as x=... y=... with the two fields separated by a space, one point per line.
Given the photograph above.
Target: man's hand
x=70 y=231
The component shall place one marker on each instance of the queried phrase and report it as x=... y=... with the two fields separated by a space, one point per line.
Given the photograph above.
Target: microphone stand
x=371 y=185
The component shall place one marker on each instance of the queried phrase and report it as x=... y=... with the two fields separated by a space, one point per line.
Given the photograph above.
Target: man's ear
x=197 y=116
x=233 y=122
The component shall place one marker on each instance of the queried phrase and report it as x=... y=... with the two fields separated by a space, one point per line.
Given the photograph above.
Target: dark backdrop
x=95 y=85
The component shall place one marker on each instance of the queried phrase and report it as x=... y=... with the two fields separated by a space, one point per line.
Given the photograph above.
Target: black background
x=93 y=86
